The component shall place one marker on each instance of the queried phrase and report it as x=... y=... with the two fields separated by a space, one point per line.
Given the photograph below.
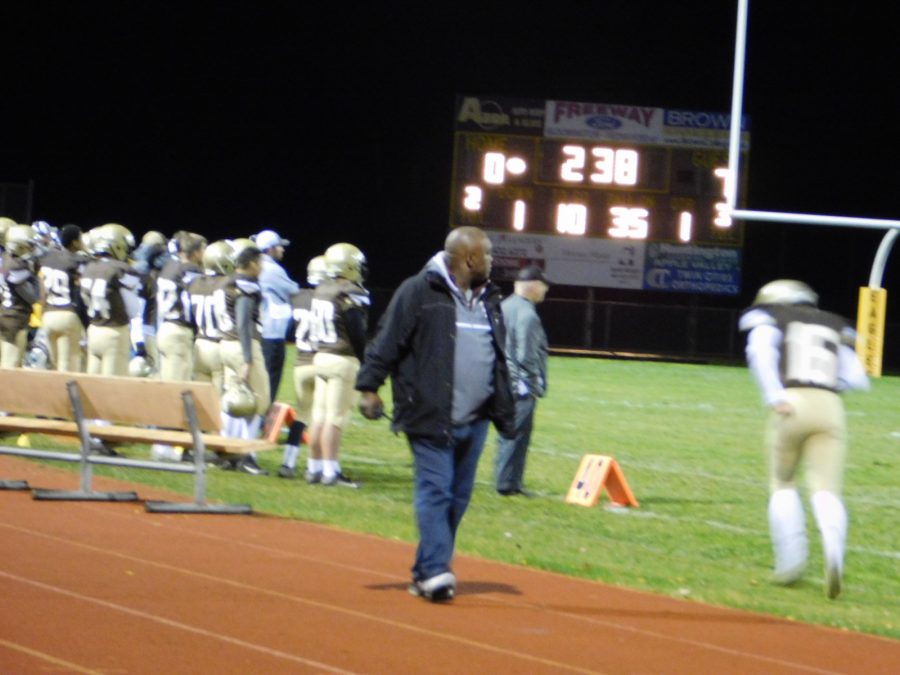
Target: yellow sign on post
x=870 y=328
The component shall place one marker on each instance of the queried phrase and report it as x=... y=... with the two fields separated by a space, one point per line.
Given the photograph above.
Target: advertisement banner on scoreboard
x=606 y=121
x=497 y=114
x=692 y=269
x=577 y=262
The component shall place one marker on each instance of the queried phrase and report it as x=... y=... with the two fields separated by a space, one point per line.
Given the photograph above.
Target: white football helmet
x=316 y=271
x=786 y=292
x=238 y=400
x=346 y=261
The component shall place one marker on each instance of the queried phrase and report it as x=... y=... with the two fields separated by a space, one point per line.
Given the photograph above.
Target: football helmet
x=153 y=238
x=21 y=240
x=141 y=366
x=37 y=355
x=5 y=224
x=316 y=271
x=786 y=292
x=111 y=239
x=238 y=400
x=240 y=244
x=219 y=258
x=346 y=261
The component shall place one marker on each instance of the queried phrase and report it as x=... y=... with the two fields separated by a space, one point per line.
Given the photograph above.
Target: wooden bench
x=135 y=410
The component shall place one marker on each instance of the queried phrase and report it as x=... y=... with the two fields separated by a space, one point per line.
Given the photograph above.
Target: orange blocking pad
x=595 y=473
x=280 y=415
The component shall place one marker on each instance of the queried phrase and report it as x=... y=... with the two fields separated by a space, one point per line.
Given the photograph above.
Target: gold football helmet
x=111 y=239
x=786 y=292
x=238 y=399
x=345 y=261
x=21 y=240
x=219 y=258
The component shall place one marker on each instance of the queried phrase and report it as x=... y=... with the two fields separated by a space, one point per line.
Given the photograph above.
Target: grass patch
x=688 y=438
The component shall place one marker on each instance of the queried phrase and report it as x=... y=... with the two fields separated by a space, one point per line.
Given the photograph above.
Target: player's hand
x=371 y=406
x=783 y=408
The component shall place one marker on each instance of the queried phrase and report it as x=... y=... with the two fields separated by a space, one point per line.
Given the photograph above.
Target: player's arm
x=244 y=306
x=763 y=342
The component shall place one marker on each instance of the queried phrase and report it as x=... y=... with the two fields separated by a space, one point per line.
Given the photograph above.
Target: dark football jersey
x=810 y=338
x=61 y=279
x=301 y=307
x=17 y=285
x=234 y=287
x=173 y=302
x=203 y=305
x=102 y=282
x=332 y=299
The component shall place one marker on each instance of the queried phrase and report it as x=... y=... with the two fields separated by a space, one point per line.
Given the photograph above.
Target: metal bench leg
x=199 y=504
x=86 y=493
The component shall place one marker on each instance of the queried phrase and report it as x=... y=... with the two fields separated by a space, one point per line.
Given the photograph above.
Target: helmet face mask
x=219 y=258
x=786 y=292
x=346 y=261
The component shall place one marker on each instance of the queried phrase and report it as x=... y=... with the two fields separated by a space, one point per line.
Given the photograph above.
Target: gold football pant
x=12 y=349
x=108 y=350
x=175 y=344
x=233 y=359
x=816 y=434
x=304 y=387
x=335 y=393
x=64 y=335
x=208 y=363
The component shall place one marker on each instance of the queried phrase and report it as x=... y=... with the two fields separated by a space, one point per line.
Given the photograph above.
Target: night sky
x=329 y=122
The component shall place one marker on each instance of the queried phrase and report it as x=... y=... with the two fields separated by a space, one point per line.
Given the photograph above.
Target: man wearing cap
x=526 y=358
x=277 y=289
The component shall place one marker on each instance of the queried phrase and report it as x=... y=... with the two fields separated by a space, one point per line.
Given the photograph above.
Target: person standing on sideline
x=340 y=315
x=20 y=289
x=526 y=358
x=61 y=300
x=277 y=289
x=304 y=370
x=801 y=358
x=441 y=341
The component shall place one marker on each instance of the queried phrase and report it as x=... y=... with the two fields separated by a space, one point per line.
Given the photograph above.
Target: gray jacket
x=526 y=347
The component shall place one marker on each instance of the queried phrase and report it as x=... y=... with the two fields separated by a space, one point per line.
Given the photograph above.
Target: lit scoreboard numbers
x=592 y=188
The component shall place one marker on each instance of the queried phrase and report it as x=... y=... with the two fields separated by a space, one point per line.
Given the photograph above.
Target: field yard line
x=171 y=623
x=43 y=656
x=266 y=591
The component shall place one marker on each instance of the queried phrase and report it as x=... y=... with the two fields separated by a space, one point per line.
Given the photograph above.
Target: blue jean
x=273 y=355
x=444 y=478
x=509 y=469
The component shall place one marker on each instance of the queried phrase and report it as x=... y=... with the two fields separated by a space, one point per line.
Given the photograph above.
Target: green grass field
x=688 y=438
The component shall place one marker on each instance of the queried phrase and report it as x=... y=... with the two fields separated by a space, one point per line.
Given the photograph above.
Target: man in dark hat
x=526 y=358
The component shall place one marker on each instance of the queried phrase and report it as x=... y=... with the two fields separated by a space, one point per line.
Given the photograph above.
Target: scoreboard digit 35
x=600 y=194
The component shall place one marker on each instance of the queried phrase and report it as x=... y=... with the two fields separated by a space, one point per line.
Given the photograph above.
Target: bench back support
x=121 y=400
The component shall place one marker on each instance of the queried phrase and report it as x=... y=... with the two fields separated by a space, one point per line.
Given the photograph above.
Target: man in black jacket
x=441 y=340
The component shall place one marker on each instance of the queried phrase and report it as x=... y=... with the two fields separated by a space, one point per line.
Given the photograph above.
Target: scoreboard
x=599 y=194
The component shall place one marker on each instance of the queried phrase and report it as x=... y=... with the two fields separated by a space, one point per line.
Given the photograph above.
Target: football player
x=340 y=309
x=19 y=291
x=304 y=370
x=802 y=357
x=175 y=339
x=111 y=291
x=61 y=318
x=149 y=259
x=240 y=298
x=218 y=263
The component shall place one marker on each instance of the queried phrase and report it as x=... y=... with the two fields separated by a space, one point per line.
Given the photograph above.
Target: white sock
x=253 y=426
x=831 y=518
x=787 y=527
x=289 y=458
x=314 y=465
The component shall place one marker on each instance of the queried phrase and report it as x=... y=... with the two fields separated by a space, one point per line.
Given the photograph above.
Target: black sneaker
x=248 y=465
x=341 y=480
x=285 y=471
x=99 y=447
x=312 y=477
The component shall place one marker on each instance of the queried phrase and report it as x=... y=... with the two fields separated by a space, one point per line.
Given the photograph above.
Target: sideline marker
x=595 y=473
x=279 y=415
